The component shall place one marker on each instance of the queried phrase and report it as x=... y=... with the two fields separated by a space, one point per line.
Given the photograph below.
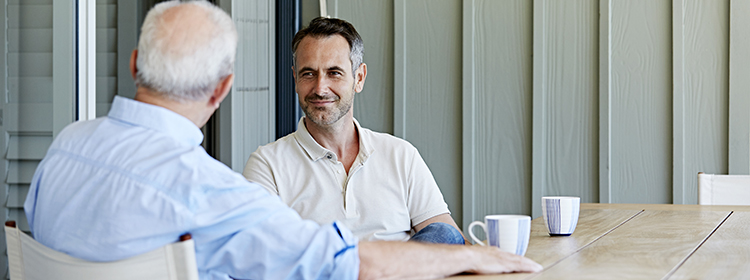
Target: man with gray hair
x=333 y=169
x=137 y=179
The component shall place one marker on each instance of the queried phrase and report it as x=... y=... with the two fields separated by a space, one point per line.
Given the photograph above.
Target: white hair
x=191 y=71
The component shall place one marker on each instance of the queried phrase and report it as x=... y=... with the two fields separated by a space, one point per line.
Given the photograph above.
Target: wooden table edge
x=668 y=207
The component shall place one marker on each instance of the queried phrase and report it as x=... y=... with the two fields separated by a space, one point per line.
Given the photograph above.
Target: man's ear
x=133 y=67
x=359 y=77
x=221 y=91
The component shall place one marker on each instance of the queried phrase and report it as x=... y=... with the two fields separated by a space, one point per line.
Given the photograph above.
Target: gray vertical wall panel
x=571 y=121
x=430 y=88
x=252 y=104
x=706 y=92
x=605 y=104
x=678 y=101
x=310 y=10
x=739 y=99
x=503 y=85
x=5 y=84
x=373 y=107
x=127 y=40
x=468 y=103
x=538 y=148
x=641 y=116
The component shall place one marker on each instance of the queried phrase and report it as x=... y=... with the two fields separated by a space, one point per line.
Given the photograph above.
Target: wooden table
x=643 y=241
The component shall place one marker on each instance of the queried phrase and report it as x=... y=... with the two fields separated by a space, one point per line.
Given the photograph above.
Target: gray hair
x=322 y=27
x=187 y=71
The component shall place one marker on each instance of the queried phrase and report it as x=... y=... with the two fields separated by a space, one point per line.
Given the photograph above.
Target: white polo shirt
x=388 y=189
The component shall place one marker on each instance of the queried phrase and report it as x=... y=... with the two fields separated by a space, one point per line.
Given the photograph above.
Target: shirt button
x=329 y=156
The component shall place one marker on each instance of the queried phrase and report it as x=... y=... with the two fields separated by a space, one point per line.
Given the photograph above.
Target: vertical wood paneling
x=678 y=100
x=469 y=118
x=641 y=116
x=739 y=84
x=605 y=104
x=539 y=148
x=399 y=67
x=503 y=115
x=706 y=38
x=571 y=95
x=373 y=107
x=431 y=89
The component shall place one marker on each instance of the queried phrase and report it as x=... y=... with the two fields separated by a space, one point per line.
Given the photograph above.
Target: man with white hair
x=137 y=179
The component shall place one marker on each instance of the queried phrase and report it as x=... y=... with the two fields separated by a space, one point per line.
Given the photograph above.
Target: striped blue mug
x=510 y=233
x=560 y=214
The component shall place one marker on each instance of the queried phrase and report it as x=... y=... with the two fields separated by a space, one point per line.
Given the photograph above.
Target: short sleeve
x=259 y=171
x=425 y=199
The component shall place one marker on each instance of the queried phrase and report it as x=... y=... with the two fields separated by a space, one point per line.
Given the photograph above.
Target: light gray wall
x=251 y=106
x=497 y=112
x=641 y=101
x=508 y=101
x=427 y=109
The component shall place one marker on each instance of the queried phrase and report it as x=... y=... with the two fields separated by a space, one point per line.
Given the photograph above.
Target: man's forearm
x=398 y=260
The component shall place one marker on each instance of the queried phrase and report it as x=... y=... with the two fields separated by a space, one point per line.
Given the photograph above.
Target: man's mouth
x=320 y=102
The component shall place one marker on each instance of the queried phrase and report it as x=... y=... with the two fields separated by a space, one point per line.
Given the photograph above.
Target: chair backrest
x=30 y=260
x=723 y=189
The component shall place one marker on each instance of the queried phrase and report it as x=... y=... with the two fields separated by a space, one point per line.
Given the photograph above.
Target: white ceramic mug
x=561 y=214
x=510 y=233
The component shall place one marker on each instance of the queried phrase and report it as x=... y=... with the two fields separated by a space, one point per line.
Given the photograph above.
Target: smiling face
x=323 y=79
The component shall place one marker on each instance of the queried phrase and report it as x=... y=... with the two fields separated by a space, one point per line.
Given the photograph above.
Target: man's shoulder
x=78 y=133
x=81 y=127
x=381 y=140
x=282 y=145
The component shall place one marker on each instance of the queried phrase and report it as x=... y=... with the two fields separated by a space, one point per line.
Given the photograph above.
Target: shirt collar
x=156 y=118
x=315 y=151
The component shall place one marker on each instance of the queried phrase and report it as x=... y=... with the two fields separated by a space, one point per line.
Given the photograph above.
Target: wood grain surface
x=547 y=250
x=723 y=256
x=643 y=241
x=648 y=246
x=666 y=207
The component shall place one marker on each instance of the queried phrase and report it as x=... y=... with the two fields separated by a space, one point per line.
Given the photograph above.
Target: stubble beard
x=324 y=116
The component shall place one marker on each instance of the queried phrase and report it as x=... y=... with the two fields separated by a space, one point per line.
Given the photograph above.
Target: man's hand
x=491 y=260
x=399 y=260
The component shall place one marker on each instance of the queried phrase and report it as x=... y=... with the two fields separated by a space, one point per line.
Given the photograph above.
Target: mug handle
x=471 y=232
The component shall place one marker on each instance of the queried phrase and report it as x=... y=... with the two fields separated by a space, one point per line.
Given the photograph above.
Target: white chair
x=30 y=260
x=723 y=189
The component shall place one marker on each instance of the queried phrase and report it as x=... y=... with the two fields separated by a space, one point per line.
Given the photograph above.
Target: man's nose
x=322 y=84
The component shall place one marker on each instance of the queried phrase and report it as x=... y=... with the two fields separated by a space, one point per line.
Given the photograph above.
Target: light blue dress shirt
x=136 y=180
